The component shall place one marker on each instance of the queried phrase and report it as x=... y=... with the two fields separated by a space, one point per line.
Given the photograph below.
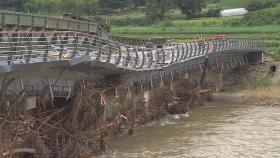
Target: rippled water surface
x=211 y=131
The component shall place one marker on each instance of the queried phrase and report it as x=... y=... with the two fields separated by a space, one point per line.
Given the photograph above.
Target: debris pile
x=78 y=127
x=76 y=130
x=186 y=95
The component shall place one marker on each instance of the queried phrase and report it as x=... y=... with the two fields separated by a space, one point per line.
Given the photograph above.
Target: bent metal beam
x=57 y=59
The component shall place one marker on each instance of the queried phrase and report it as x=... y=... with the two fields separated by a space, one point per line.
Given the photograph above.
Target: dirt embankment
x=266 y=96
x=256 y=84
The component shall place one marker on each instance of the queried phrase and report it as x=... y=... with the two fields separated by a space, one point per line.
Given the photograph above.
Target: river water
x=213 y=131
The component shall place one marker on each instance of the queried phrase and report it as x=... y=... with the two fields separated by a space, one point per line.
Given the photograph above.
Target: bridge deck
x=31 y=56
x=18 y=21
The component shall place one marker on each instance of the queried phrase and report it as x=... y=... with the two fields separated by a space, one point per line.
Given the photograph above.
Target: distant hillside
x=229 y=4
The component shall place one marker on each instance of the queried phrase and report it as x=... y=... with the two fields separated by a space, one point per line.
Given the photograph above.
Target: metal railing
x=140 y=42
x=38 y=47
x=8 y=19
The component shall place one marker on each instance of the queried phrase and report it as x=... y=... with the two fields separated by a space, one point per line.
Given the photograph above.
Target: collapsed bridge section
x=51 y=62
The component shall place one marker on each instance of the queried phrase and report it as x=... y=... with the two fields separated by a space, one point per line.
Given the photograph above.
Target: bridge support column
x=219 y=86
x=147 y=96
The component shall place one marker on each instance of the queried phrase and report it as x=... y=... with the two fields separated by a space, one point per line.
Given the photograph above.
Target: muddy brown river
x=213 y=131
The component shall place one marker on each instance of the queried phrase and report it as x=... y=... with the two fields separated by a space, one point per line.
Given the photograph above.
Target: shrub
x=214 y=12
x=130 y=21
x=167 y=23
x=262 y=17
x=254 y=5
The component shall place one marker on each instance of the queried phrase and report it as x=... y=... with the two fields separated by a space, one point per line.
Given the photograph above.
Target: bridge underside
x=58 y=78
x=36 y=60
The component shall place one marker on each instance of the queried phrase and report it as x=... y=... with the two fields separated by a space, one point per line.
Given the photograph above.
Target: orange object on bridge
x=221 y=36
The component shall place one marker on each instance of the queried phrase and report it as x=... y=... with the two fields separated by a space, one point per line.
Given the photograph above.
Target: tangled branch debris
x=78 y=128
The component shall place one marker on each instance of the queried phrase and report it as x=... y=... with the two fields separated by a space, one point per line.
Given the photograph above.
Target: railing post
x=30 y=48
x=224 y=45
x=191 y=52
x=143 y=59
x=215 y=46
x=10 y=58
x=243 y=44
x=157 y=57
x=76 y=40
x=173 y=56
x=183 y=53
x=151 y=59
x=136 y=60
x=164 y=57
x=195 y=49
x=57 y=24
x=203 y=47
x=246 y=44
x=45 y=23
x=62 y=46
x=186 y=51
x=88 y=46
x=228 y=44
x=18 y=21
x=110 y=52
x=231 y=44
x=99 y=49
x=178 y=54
x=235 y=46
x=199 y=47
x=120 y=55
x=127 y=59
x=45 y=57
x=208 y=47
x=3 y=21
x=32 y=21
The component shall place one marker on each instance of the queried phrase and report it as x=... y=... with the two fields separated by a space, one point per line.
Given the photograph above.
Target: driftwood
x=78 y=128
x=23 y=150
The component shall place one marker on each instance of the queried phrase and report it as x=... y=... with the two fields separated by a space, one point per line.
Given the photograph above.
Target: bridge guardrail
x=8 y=18
x=40 y=47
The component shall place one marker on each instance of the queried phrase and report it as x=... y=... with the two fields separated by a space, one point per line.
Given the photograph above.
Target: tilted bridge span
x=37 y=62
x=61 y=58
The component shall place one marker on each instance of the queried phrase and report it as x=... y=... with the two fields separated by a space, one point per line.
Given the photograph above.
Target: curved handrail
x=49 y=22
x=47 y=47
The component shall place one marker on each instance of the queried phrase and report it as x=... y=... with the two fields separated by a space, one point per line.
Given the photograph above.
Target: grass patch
x=268 y=16
x=251 y=85
x=192 y=30
x=229 y=4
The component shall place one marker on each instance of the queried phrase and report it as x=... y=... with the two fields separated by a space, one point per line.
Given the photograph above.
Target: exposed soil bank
x=257 y=84
x=267 y=96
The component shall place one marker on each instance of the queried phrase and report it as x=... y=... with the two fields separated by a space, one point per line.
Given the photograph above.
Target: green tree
x=254 y=5
x=16 y=5
x=32 y=6
x=137 y=3
x=87 y=7
x=35 y=6
x=69 y=6
x=191 y=7
x=107 y=6
x=156 y=9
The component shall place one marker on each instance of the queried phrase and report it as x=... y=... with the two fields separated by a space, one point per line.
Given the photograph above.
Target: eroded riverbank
x=267 y=96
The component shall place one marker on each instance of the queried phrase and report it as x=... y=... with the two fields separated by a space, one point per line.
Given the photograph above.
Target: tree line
x=154 y=9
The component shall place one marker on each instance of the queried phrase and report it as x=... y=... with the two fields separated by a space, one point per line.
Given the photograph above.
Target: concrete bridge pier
x=220 y=81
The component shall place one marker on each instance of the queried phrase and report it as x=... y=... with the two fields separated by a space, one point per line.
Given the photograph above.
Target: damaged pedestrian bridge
x=40 y=61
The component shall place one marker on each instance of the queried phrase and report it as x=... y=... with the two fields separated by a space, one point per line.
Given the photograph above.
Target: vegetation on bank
x=261 y=22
